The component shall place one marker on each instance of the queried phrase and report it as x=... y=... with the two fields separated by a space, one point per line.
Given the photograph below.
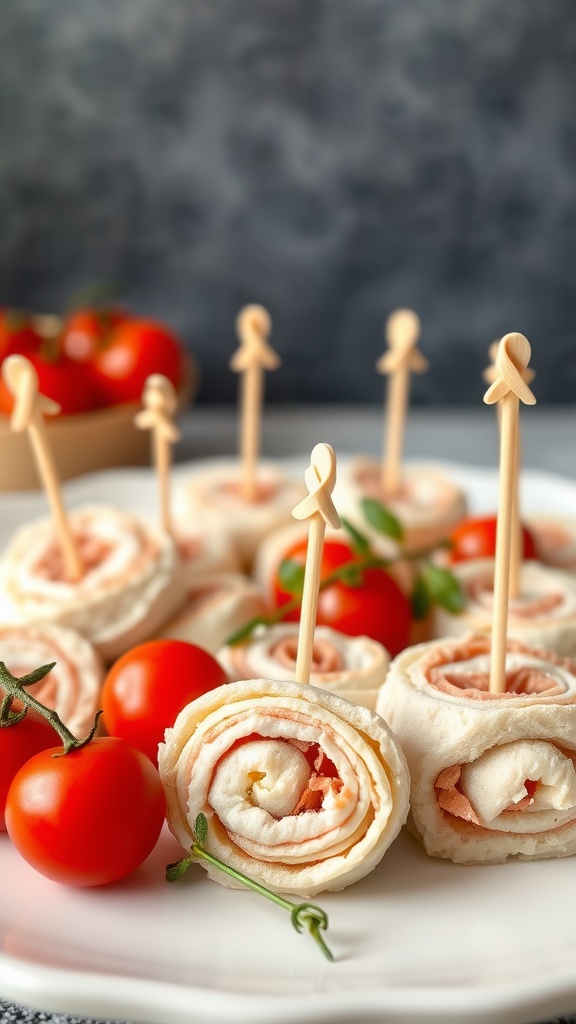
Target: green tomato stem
x=16 y=688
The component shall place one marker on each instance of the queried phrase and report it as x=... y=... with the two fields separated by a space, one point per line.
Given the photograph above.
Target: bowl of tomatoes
x=93 y=363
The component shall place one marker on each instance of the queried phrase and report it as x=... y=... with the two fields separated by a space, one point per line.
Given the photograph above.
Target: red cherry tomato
x=88 y=817
x=377 y=608
x=18 y=743
x=136 y=348
x=150 y=684
x=86 y=331
x=64 y=381
x=476 y=538
x=17 y=334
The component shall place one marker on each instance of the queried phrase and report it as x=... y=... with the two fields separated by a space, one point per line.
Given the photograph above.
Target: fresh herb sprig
x=302 y=915
x=433 y=584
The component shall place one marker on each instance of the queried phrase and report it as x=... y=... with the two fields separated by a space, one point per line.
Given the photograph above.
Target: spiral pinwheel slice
x=131 y=584
x=216 y=606
x=555 y=540
x=214 y=490
x=493 y=775
x=203 y=550
x=353 y=667
x=303 y=791
x=544 y=614
x=73 y=686
x=428 y=504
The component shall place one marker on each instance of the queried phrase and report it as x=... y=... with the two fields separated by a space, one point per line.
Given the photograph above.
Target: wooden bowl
x=84 y=442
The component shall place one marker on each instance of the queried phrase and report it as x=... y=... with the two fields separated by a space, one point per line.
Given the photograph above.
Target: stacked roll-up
x=302 y=790
x=493 y=775
x=353 y=667
x=428 y=504
x=132 y=581
x=543 y=615
x=214 y=490
x=73 y=686
x=216 y=606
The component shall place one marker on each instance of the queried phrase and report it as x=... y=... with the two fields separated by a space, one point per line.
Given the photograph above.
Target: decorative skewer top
x=253 y=325
x=320 y=478
x=160 y=404
x=21 y=380
x=512 y=360
x=491 y=372
x=402 y=332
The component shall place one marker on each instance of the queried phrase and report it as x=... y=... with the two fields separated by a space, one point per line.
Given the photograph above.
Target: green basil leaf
x=358 y=541
x=352 y=575
x=245 y=631
x=382 y=519
x=420 y=599
x=443 y=588
x=201 y=828
x=291 y=577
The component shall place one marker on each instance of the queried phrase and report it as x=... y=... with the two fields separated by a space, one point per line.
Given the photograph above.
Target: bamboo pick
x=508 y=389
x=255 y=355
x=516 y=543
x=319 y=508
x=30 y=407
x=160 y=403
x=402 y=358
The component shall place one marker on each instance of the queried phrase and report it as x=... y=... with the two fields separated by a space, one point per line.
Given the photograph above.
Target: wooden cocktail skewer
x=319 y=508
x=253 y=357
x=516 y=542
x=30 y=406
x=160 y=404
x=509 y=389
x=402 y=358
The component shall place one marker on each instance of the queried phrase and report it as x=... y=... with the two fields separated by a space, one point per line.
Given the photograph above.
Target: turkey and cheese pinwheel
x=493 y=775
x=353 y=667
x=216 y=606
x=132 y=580
x=214 y=490
x=72 y=688
x=428 y=504
x=204 y=550
x=544 y=615
x=555 y=541
x=303 y=791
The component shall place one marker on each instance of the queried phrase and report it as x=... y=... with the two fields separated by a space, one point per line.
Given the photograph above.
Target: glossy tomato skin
x=89 y=817
x=378 y=608
x=149 y=685
x=476 y=538
x=18 y=743
x=86 y=331
x=17 y=336
x=136 y=349
x=64 y=381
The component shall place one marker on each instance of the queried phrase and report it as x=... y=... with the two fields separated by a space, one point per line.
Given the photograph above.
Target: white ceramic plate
x=419 y=941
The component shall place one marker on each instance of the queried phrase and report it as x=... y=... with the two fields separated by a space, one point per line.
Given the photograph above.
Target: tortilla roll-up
x=353 y=667
x=428 y=504
x=555 y=540
x=132 y=581
x=203 y=550
x=493 y=775
x=72 y=688
x=302 y=790
x=216 y=606
x=214 y=490
x=543 y=615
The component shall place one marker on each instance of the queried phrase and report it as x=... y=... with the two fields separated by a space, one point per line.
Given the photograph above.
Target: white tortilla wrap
x=353 y=667
x=303 y=791
x=428 y=506
x=131 y=584
x=216 y=606
x=73 y=686
x=493 y=776
x=214 y=490
x=544 y=615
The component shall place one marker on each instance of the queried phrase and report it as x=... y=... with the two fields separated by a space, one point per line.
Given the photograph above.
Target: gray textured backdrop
x=330 y=158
